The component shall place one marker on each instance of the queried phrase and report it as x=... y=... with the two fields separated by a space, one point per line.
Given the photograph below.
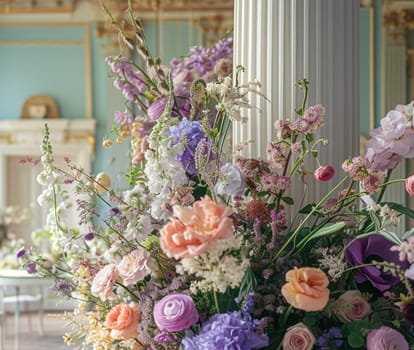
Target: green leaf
x=355 y=340
x=401 y=208
x=315 y=154
x=375 y=219
x=309 y=319
x=325 y=230
x=309 y=137
x=288 y=200
x=307 y=208
x=247 y=285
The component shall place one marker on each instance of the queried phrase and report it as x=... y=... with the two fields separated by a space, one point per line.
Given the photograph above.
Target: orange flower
x=306 y=289
x=123 y=320
x=193 y=229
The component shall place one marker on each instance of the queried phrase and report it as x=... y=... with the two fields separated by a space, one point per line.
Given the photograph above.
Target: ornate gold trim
x=88 y=137
x=41 y=42
x=5 y=138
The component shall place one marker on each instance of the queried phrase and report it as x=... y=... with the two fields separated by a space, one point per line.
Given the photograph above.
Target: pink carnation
x=135 y=266
x=103 y=283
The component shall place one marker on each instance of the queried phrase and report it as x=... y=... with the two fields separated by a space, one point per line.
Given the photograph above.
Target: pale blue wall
x=59 y=71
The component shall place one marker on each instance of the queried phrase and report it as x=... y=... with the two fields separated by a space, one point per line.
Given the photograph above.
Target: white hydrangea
x=217 y=267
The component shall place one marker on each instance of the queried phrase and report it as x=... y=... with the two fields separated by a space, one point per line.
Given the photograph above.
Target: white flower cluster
x=164 y=172
x=217 y=267
x=332 y=263
x=390 y=217
x=231 y=100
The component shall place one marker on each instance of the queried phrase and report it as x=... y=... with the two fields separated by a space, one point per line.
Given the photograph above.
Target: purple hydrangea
x=190 y=134
x=227 y=331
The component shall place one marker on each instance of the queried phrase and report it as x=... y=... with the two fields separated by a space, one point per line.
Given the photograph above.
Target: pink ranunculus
x=298 y=337
x=355 y=306
x=409 y=185
x=135 y=266
x=324 y=173
x=175 y=312
x=385 y=338
x=193 y=229
x=103 y=282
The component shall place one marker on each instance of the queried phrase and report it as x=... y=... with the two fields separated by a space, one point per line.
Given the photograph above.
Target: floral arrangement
x=201 y=252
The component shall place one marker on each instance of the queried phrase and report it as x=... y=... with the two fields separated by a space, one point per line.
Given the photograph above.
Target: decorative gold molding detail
x=88 y=137
x=42 y=42
x=5 y=138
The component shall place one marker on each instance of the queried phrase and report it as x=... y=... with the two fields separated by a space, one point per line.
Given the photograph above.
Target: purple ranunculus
x=227 y=331
x=385 y=338
x=90 y=236
x=175 y=312
x=164 y=337
x=190 y=134
x=373 y=248
x=156 y=108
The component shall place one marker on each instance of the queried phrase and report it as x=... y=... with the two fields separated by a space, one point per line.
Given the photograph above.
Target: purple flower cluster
x=391 y=142
x=227 y=331
x=128 y=80
x=330 y=337
x=190 y=134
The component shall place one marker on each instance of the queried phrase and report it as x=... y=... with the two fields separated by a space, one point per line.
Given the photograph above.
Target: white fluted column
x=281 y=41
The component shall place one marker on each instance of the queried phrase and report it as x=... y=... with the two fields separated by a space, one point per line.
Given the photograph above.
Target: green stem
x=216 y=303
x=387 y=178
x=302 y=224
x=128 y=290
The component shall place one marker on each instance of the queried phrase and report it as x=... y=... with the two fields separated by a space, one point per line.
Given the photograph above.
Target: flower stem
x=216 y=303
x=302 y=224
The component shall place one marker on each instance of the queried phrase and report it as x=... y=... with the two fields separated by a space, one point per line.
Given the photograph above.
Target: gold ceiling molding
x=399 y=19
x=36 y=6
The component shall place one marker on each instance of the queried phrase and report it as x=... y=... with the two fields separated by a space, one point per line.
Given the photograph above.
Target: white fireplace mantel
x=19 y=139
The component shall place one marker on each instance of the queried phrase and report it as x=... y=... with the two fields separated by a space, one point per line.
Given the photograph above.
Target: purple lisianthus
x=31 y=268
x=385 y=338
x=373 y=248
x=231 y=181
x=227 y=331
x=21 y=252
x=175 y=312
x=190 y=134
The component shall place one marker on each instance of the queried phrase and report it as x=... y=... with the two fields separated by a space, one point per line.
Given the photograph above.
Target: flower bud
x=409 y=185
x=324 y=173
x=102 y=182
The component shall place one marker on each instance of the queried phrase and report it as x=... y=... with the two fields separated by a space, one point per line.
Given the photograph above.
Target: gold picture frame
x=40 y=106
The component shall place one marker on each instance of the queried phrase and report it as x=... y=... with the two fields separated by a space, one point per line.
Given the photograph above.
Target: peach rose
x=103 y=282
x=123 y=320
x=192 y=229
x=355 y=307
x=298 y=337
x=306 y=289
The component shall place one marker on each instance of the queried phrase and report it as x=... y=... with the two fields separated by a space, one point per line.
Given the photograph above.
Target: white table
x=18 y=279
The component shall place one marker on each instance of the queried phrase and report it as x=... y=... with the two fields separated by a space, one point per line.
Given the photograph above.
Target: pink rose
x=298 y=337
x=104 y=281
x=193 y=229
x=175 y=312
x=409 y=185
x=324 y=173
x=355 y=307
x=385 y=338
x=135 y=266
